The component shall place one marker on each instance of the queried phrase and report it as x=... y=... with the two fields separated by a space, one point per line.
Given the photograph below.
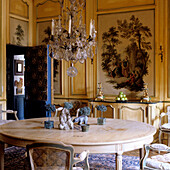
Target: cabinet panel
x=110 y=4
x=132 y=113
x=47 y=9
x=19 y=7
x=168 y=51
x=109 y=113
x=2 y=50
x=78 y=83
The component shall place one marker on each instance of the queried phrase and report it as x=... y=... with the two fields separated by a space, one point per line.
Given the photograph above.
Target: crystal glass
x=72 y=71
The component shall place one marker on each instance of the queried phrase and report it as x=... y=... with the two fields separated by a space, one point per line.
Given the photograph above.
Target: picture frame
x=116 y=22
x=19 y=67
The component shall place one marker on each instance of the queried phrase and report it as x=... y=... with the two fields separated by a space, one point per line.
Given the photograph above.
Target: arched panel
x=19 y=7
x=132 y=113
x=47 y=9
x=110 y=4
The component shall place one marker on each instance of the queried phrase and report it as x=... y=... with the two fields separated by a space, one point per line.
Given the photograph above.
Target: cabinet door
x=129 y=112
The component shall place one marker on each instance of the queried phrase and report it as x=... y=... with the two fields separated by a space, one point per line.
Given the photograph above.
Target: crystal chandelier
x=69 y=40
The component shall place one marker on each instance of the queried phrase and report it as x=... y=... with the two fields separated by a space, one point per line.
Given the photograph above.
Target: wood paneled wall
x=84 y=86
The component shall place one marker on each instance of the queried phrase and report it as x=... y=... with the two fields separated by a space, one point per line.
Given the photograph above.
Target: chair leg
x=141 y=154
x=160 y=134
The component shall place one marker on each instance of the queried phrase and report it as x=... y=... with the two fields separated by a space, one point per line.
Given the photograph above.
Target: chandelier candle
x=69 y=25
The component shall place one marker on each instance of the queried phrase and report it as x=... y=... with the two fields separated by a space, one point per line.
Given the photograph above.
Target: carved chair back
x=56 y=156
x=3 y=115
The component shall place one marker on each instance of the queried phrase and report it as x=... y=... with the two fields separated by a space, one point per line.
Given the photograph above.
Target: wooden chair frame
x=11 y=112
x=147 y=150
x=161 y=129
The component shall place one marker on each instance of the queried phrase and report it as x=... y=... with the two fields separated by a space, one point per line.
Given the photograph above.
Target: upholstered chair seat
x=165 y=126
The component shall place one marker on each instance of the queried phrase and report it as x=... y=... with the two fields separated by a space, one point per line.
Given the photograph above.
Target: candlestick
x=59 y=21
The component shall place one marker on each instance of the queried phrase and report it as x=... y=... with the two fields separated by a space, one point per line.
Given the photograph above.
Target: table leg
x=87 y=167
x=2 y=155
x=118 y=161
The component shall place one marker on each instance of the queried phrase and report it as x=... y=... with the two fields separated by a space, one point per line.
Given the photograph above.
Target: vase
x=101 y=121
x=49 y=124
x=85 y=127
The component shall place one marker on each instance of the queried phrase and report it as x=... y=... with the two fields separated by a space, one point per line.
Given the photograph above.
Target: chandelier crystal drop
x=69 y=40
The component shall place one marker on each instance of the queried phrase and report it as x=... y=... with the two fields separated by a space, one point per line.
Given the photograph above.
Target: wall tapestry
x=18 y=32
x=126 y=52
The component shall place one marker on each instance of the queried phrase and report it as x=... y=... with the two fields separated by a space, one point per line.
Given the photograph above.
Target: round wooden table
x=116 y=136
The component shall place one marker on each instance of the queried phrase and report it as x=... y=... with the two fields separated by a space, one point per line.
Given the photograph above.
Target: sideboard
x=147 y=112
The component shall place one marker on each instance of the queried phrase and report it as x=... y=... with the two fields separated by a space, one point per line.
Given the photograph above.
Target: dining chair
x=160 y=160
x=76 y=105
x=54 y=156
x=164 y=126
